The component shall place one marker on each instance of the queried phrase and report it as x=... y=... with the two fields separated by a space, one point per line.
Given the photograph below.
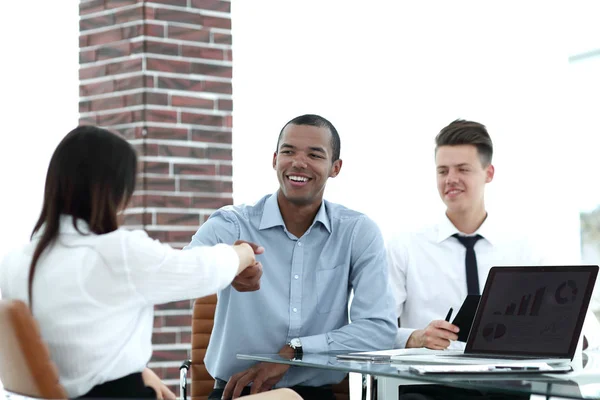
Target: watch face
x=295 y=343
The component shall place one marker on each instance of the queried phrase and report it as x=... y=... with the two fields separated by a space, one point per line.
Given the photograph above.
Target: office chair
x=201 y=382
x=25 y=365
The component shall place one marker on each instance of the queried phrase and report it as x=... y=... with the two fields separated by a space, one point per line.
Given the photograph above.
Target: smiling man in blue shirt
x=316 y=253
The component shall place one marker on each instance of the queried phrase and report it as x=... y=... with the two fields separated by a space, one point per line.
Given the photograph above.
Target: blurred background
x=202 y=89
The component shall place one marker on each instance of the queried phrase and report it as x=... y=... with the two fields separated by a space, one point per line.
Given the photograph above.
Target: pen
x=449 y=315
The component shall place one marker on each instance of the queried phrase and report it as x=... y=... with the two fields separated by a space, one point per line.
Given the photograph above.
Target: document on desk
x=539 y=368
x=386 y=355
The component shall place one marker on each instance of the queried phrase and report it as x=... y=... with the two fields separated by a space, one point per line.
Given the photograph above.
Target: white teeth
x=298 y=178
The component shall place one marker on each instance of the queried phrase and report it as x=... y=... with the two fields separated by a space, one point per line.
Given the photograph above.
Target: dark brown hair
x=91 y=176
x=467 y=132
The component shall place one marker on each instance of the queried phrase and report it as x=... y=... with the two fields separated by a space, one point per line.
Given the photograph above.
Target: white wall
x=39 y=69
x=390 y=75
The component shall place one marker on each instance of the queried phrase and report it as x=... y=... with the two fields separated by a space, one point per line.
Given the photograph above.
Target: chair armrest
x=183 y=371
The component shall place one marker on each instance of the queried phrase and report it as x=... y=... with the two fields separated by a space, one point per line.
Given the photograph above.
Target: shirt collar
x=272 y=215
x=446 y=229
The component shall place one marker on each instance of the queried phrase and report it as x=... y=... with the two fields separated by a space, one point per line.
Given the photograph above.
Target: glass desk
x=582 y=383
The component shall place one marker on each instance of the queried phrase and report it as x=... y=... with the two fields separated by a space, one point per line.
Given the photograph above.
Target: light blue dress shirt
x=305 y=289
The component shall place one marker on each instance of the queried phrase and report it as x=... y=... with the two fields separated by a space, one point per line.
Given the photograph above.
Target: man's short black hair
x=319 y=122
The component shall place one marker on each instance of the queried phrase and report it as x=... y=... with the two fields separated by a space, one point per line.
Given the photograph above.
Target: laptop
x=525 y=314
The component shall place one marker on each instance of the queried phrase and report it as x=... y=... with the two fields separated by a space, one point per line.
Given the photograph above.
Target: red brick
x=92 y=89
x=170 y=373
x=202 y=52
x=211 y=69
x=200 y=135
x=132 y=82
x=178 y=320
x=201 y=119
x=169 y=355
x=167 y=49
x=126 y=66
x=182 y=201
x=211 y=202
x=166 y=184
x=110 y=4
x=228 y=55
x=89 y=7
x=113 y=50
x=225 y=105
x=83 y=41
x=138 y=219
x=117 y=118
x=216 y=153
x=180 y=3
x=200 y=185
x=107 y=103
x=157 y=98
x=221 y=38
x=185 y=337
x=164 y=337
x=165 y=116
x=179 y=237
x=92 y=72
x=194 y=169
x=158 y=320
x=216 y=22
x=175 y=305
x=192 y=102
x=87 y=56
x=177 y=219
x=156 y=167
x=104 y=37
x=164 y=14
x=174 y=66
x=131 y=14
x=217 y=87
x=151 y=149
x=84 y=106
x=181 y=151
x=154 y=30
x=193 y=35
x=213 y=5
x=167 y=133
x=180 y=84
x=130 y=133
x=225 y=170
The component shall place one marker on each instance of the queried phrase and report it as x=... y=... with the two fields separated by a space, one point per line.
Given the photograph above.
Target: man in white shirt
x=428 y=268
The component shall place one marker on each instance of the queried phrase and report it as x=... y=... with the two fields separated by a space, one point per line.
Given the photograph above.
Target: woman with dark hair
x=91 y=286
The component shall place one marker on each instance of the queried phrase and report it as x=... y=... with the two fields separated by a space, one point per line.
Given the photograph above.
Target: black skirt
x=130 y=386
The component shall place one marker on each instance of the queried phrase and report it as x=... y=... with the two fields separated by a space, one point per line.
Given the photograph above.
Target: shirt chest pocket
x=332 y=289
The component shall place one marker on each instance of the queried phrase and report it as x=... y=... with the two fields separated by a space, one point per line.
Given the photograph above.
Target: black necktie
x=470 y=262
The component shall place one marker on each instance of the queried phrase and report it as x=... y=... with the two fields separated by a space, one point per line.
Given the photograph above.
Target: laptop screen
x=532 y=311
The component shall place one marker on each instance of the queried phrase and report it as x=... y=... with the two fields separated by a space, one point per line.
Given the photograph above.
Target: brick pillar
x=159 y=72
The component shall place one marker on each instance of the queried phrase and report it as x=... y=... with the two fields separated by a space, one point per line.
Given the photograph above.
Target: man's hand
x=153 y=381
x=263 y=377
x=249 y=279
x=437 y=335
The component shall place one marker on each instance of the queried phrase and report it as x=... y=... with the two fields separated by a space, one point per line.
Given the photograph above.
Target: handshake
x=249 y=270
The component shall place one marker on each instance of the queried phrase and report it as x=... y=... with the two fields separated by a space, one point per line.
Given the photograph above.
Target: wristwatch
x=296 y=345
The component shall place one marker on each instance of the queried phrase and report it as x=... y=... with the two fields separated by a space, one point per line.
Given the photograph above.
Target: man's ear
x=274 y=160
x=335 y=168
x=489 y=173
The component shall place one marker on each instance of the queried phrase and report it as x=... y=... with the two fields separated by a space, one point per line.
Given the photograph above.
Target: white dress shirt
x=93 y=296
x=427 y=269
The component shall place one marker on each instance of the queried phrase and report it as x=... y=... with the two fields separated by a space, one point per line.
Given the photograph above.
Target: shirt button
x=300 y=244
x=295 y=309
x=295 y=276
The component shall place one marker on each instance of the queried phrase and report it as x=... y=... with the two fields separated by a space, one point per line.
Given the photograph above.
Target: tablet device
x=466 y=314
